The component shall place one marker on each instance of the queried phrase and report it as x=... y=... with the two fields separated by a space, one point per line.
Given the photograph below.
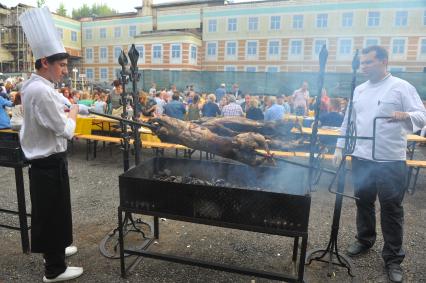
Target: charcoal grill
x=272 y=200
x=11 y=156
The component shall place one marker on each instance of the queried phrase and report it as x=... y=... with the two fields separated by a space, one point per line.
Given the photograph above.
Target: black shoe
x=357 y=248
x=395 y=273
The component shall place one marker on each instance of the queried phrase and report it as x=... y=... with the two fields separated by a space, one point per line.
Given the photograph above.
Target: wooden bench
x=95 y=139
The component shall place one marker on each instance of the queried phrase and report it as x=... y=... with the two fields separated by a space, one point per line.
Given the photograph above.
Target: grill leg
x=95 y=144
x=302 y=259
x=295 y=247
x=23 y=225
x=87 y=149
x=156 y=227
x=121 y=243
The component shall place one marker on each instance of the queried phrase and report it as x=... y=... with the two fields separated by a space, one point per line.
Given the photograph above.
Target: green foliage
x=61 y=10
x=97 y=10
x=40 y=3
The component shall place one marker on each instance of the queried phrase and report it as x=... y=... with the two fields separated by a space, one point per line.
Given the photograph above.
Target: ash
x=166 y=176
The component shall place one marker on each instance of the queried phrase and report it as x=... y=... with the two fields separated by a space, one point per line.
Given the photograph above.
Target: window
x=102 y=32
x=175 y=52
x=423 y=47
x=318 y=45
x=157 y=53
x=272 y=69
x=251 y=69
x=89 y=74
x=117 y=52
x=373 y=19
x=230 y=68
x=117 y=32
x=232 y=24
x=231 y=49
x=253 y=23
x=275 y=22
x=296 y=47
x=193 y=53
x=424 y=18
x=89 y=55
x=103 y=74
x=132 y=30
x=401 y=18
x=274 y=48
x=60 y=33
x=251 y=49
x=211 y=49
x=73 y=36
x=88 y=34
x=345 y=47
x=298 y=21
x=212 y=25
x=103 y=54
x=322 y=20
x=141 y=50
x=371 y=42
x=398 y=46
x=347 y=20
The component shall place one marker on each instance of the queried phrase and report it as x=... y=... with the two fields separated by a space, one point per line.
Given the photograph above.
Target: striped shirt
x=232 y=109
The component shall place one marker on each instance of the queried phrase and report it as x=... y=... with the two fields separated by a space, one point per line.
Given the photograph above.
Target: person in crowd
x=246 y=104
x=100 y=105
x=159 y=100
x=75 y=96
x=153 y=90
x=172 y=90
x=281 y=100
x=300 y=100
x=194 y=108
x=4 y=116
x=236 y=91
x=43 y=136
x=334 y=117
x=223 y=102
x=19 y=83
x=3 y=92
x=86 y=100
x=147 y=105
x=65 y=92
x=115 y=95
x=220 y=92
x=254 y=112
x=383 y=95
x=210 y=108
x=17 y=111
x=274 y=111
x=325 y=101
x=175 y=108
x=232 y=109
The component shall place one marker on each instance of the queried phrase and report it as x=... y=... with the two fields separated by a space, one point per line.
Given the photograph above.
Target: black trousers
x=387 y=181
x=51 y=221
x=54 y=264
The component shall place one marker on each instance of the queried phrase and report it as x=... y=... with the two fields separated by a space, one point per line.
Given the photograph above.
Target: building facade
x=268 y=36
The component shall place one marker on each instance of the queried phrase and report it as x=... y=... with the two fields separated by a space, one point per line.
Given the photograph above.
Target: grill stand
x=144 y=252
x=331 y=250
x=22 y=211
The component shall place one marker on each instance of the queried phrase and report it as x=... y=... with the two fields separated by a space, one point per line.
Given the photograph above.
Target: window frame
x=175 y=60
x=322 y=21
x=101 y=59
x=292 y=56
x=271 y=26
x=155 y=60
x=252 y=56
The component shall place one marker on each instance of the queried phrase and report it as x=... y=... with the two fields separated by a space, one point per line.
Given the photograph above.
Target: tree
x=97 y=10
x=61 y=10
x=40 y=3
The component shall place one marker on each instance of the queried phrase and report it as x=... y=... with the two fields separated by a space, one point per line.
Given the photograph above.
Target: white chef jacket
x=45 y=128
x=382 y=99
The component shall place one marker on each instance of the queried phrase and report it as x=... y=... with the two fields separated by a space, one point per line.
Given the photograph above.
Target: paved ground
x=94 y=186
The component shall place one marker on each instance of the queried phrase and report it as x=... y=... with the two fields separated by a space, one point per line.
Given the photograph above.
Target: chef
x=44 y=134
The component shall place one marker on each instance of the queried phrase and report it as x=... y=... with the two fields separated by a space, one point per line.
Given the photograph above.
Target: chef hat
x=41 y=32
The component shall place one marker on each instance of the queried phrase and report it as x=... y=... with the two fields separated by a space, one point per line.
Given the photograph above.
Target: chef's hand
x=400 y=116
x=337 y=157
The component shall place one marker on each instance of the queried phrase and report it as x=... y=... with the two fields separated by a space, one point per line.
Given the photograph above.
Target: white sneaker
x=68 y=274
x=71 y=250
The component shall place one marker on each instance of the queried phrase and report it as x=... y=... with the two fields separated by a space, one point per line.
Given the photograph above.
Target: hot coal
x=166 y=176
